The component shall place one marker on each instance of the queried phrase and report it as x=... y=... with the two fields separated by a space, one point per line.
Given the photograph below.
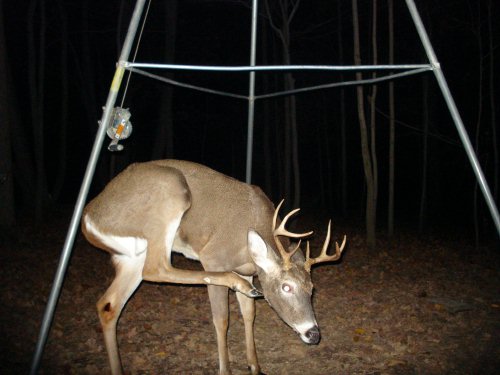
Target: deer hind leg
x=127 y=279
x=220 y=317
x=247 y=308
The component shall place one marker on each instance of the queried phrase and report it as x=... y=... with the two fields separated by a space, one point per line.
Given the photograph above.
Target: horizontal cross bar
x=276 y=67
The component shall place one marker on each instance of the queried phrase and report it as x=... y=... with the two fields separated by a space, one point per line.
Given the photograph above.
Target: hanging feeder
x=119 y=128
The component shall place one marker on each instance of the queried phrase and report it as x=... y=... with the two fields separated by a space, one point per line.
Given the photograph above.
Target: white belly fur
x=183 y=248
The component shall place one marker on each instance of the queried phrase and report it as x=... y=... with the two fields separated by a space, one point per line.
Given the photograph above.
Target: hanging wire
x=185 y=85
x=365 y=81
x=426 y=68
x=135 y=52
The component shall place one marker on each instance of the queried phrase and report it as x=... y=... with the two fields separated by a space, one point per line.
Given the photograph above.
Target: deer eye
x=287 y=288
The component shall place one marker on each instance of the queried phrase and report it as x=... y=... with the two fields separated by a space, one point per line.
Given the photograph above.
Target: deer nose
x=313 y=336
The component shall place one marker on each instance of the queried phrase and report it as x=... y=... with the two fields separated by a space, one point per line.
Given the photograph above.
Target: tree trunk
x=494 y=139
x=477 y=205
x=425 y=142
x=37 y=89
x=325 y=137
x=342 y=112
x=164 y=139
x=428 y=101
x=294 y=141
x=365 y=144
x=324 y=187
x=266 y=115
x=392 y=126
x=287 y=11
x=89 y=96
x=7 y=208
x=373 y=108
x=119 y=26
x=62 y=155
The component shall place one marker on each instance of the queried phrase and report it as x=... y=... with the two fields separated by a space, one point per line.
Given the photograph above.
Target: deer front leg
x=220 y=316
x=247 y=308
x=179 y=276
x=159 y=268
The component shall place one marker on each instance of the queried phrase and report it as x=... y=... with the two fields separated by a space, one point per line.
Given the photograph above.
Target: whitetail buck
x=154 y=208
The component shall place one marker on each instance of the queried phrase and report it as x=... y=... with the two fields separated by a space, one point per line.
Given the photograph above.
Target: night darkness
x=61 y=60
x=423 y=299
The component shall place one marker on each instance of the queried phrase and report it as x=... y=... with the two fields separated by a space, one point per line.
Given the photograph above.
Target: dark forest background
x=57 y=60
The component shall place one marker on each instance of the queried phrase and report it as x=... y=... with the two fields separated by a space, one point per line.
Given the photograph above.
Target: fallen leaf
x=359 y=331
x=396 y=362
x=161 y=354
x=131 y=333
x=438 y=307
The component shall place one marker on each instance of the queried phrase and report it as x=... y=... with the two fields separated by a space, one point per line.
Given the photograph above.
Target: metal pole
x=82 y=196
x=260 y=68
x=454 y=113
x=251 y=95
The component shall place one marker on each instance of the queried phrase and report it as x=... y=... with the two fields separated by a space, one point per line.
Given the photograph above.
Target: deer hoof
x=251 y=369
x=255 y=293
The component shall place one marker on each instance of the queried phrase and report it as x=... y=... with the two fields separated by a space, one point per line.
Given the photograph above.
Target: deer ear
x=259 y=252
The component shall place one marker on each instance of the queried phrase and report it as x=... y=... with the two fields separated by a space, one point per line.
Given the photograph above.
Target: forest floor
x=421 y=306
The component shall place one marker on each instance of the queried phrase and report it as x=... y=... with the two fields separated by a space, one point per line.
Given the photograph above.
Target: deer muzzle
x=312 y=336
x=308 y=333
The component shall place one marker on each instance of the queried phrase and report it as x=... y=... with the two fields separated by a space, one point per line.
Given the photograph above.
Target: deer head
x=286 y=279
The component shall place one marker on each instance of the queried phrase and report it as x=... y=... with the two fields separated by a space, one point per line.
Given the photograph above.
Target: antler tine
x=324 y=249
x=275 y=216
x=339 y=250
x=290 y=253
x=324 y=257
x=282 y=231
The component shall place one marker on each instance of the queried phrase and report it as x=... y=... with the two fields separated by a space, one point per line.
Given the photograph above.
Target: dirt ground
x=420 y=306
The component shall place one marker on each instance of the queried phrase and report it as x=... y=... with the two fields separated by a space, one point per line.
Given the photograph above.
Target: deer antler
x=323 y=257
x=281 y=231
